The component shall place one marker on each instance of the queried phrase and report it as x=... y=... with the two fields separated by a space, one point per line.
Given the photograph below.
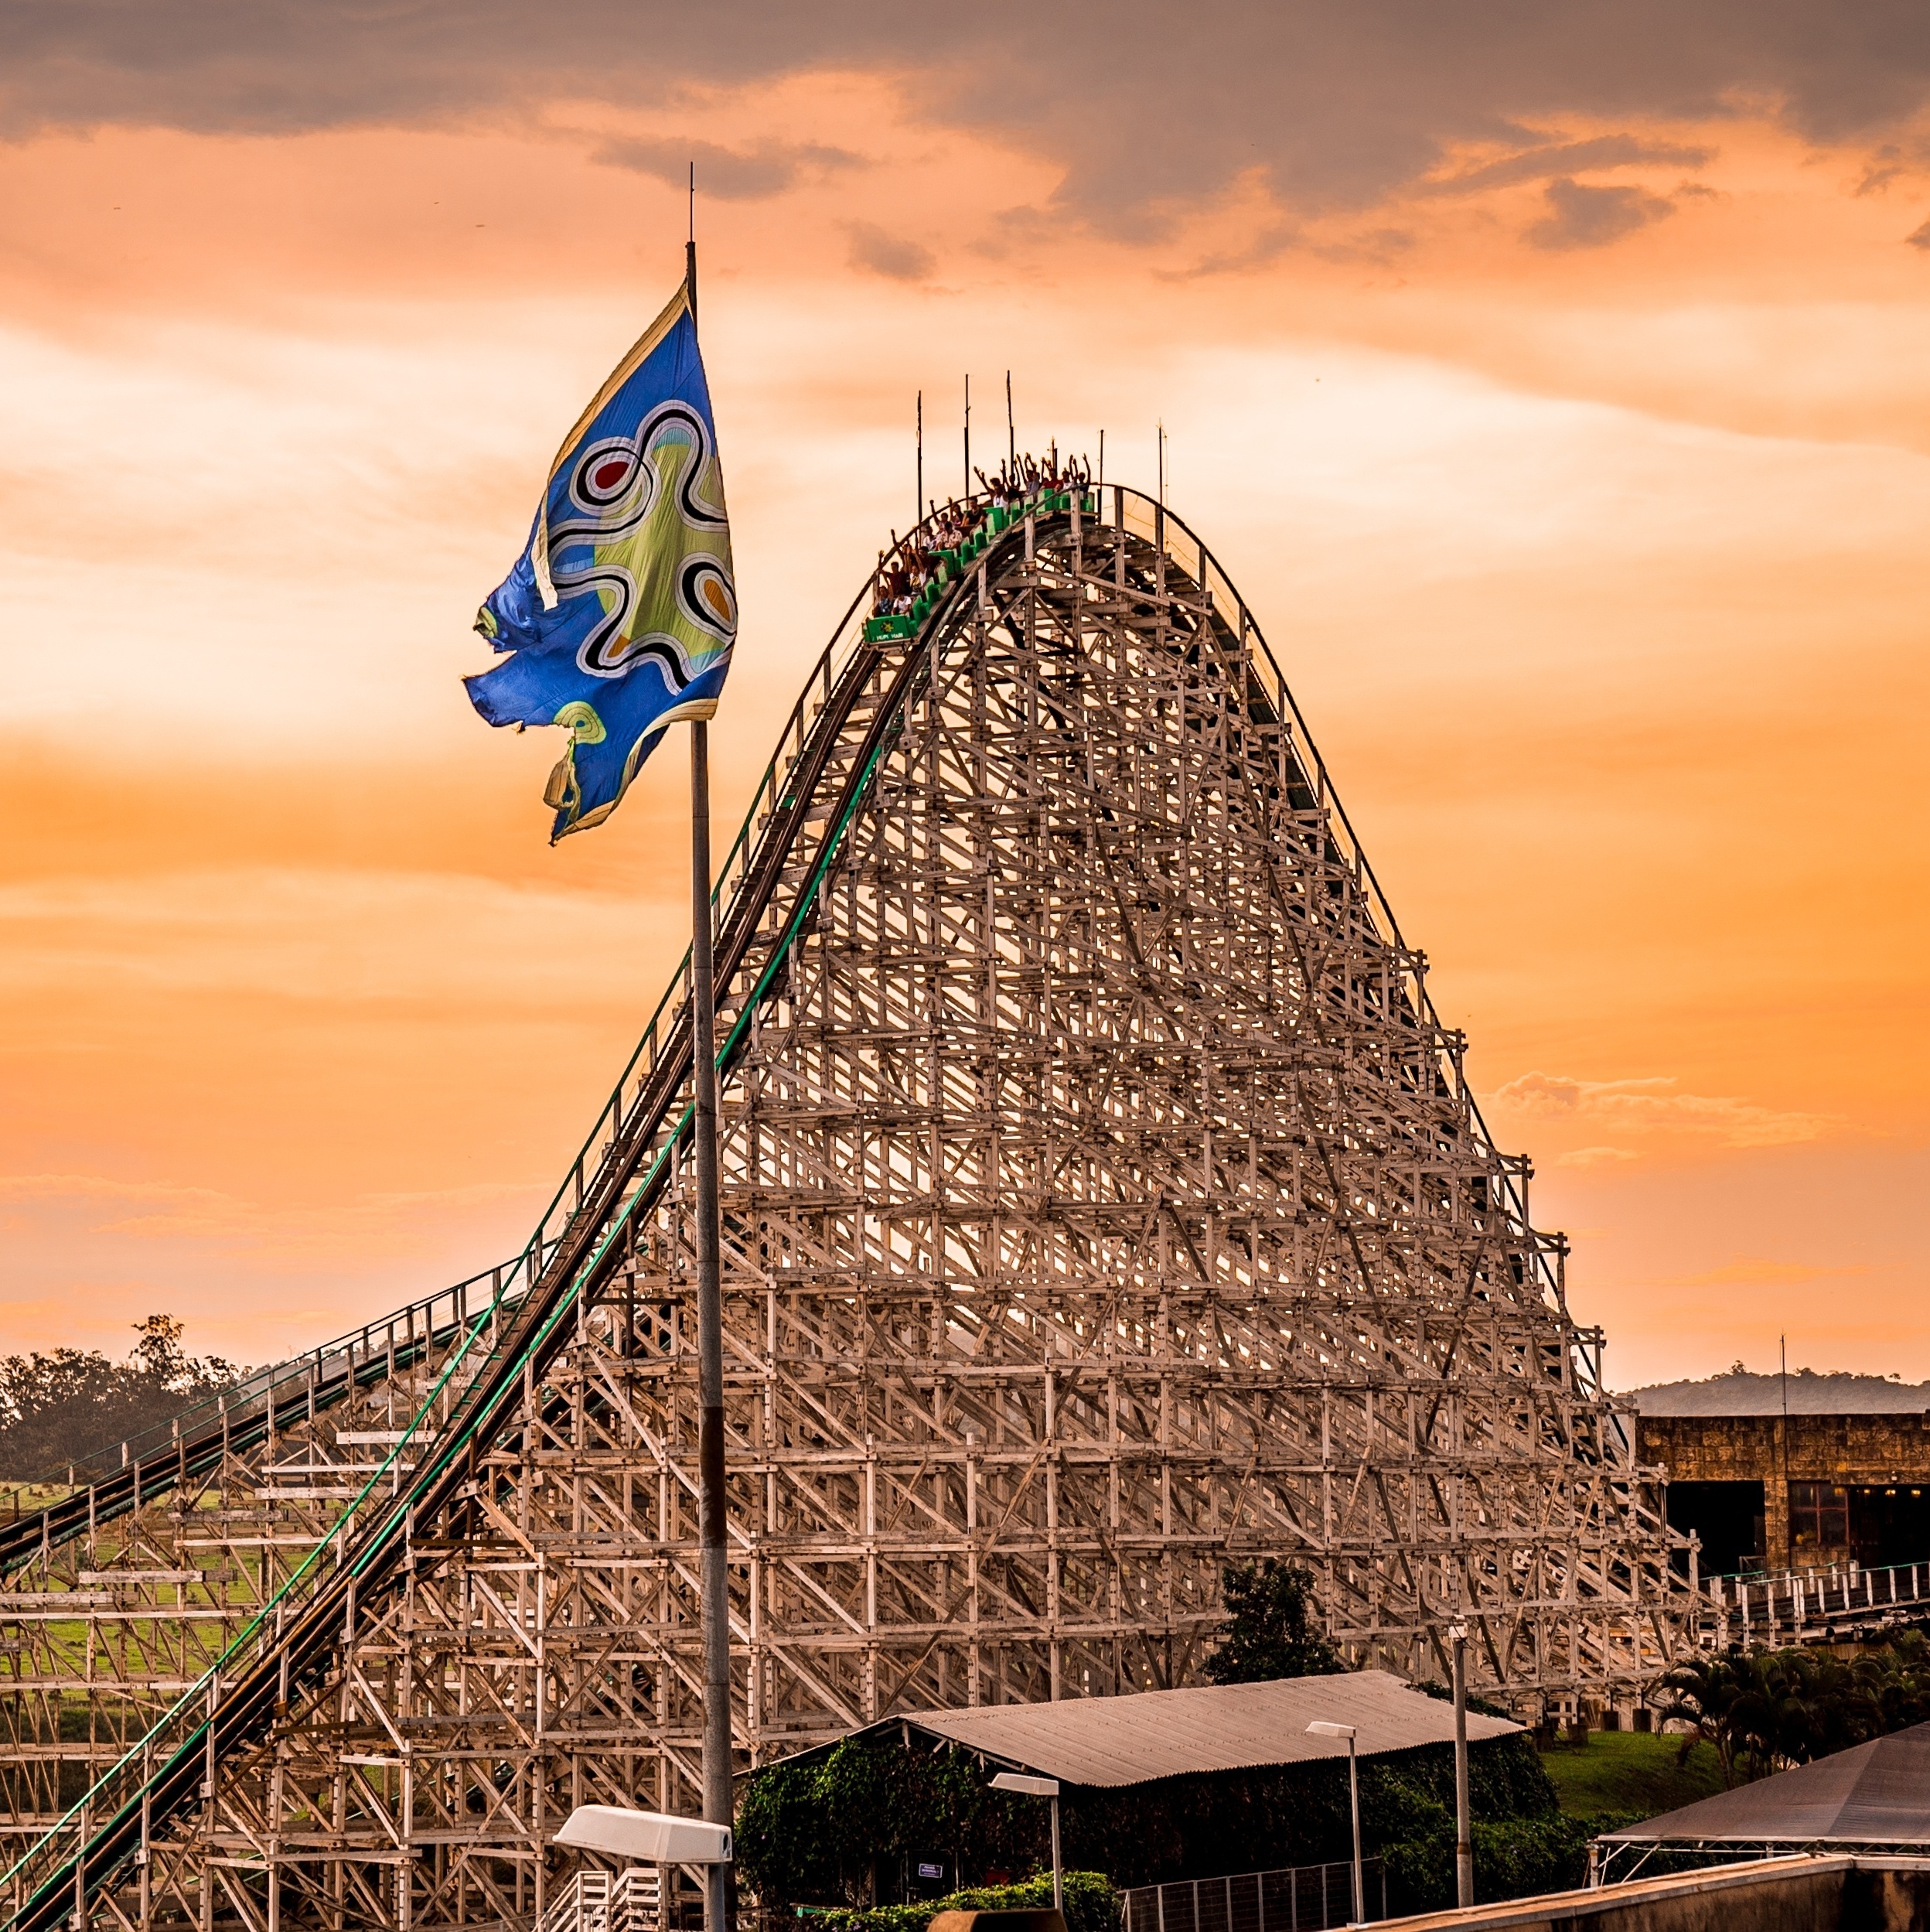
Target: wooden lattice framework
x=1102 y=1202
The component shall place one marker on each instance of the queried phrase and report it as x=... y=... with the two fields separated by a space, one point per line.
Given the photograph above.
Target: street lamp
x=1034 y=1787
x=1353 y=1797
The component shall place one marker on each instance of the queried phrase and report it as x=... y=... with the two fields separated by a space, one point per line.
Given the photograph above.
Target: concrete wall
x=1838 y=1894
x=1852 y=1450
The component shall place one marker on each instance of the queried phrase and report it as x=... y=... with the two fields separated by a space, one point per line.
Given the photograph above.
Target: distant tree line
x=60 y=1407
x=1765 y=1710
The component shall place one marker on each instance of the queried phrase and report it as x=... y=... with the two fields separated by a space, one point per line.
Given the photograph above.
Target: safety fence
x=1298 y=1898
x=1796 y=1605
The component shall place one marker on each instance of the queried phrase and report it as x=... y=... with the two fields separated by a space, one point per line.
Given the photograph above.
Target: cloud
x=1573 y=157
x=1334 y=106
x=732 y=174
x=328 y=933
x=1755 y=1271
x=56 y=1187
x=887 y=254
x=1919 y=238
x=1886 y=164
x=1655 y=1104
x=1595 y=1156
x=1579 y=217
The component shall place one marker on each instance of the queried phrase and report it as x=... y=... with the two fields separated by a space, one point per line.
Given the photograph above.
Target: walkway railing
x=1796 y=1606
x=1298 y=1898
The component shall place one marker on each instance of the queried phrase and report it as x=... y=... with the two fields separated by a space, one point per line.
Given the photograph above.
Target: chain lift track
x=1104 y=1202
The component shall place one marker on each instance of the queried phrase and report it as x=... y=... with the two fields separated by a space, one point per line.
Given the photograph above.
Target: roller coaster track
x=175 y=1454
x=511 y=1340
x=490 y=1340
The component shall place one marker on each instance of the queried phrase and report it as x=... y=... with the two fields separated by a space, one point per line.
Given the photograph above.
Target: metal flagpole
x=968 y=436
x=917 y=437
x=1464 y=1831
x=718 y=1806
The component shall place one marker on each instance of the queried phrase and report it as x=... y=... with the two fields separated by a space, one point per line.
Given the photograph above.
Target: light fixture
x=650 y=1838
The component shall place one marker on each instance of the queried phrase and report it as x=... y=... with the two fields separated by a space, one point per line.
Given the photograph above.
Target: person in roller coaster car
x=912 y=564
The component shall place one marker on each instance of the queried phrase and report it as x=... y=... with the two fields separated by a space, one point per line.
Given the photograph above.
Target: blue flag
x=619 y=616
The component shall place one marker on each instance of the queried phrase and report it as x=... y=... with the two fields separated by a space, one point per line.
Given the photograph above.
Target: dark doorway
x=1890 y=1524
x=1728 y=1518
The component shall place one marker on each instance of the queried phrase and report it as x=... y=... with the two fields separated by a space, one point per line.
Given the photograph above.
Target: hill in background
x=1740 y=1393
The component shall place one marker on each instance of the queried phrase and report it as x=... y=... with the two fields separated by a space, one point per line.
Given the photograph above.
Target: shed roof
x=1161 y=1734
x=1873 y=1793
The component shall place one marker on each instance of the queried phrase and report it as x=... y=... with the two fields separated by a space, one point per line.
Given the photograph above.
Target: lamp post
x=1353 y=1799
x=1034 y=1787
x=1463 y=1831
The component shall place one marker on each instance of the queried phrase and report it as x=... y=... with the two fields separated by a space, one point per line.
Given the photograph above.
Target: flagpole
x=718 y=1807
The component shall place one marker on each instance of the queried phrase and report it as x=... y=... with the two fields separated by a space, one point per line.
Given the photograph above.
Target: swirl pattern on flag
x=619 y=616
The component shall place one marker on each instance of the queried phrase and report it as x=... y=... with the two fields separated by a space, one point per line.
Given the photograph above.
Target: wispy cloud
x=1550 y=158
x=53 y=1187
x=897 y=257
x=1656 y=1104
x=1582 y=216
x=167 y=1212
x=1756 y=1271
x=1595 y=1156
x=766 y=168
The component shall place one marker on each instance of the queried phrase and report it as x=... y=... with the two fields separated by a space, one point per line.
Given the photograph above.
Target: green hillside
x=1632 y=1773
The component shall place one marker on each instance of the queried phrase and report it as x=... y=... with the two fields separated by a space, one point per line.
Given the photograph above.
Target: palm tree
x=1706 y=1694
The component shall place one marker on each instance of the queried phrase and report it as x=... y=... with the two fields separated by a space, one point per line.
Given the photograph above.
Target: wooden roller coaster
x=1104 y=1202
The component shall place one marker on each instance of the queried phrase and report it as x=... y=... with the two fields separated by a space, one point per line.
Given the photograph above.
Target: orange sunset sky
x=1554 y=382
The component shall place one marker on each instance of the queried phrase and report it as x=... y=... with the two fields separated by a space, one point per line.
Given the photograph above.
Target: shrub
x=1091 y=1905
x=1513 y=1858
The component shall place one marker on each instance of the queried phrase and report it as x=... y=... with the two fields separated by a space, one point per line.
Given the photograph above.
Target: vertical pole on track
x=713 y=1578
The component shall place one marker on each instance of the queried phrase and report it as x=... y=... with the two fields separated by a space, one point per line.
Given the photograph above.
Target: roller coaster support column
x=718 y=1808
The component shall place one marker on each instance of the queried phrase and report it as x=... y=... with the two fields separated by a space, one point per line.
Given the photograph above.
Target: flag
x=618 y=617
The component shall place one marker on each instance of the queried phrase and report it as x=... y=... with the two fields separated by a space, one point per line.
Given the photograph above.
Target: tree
x=61 y=1407
x=1269 y=1631
x=1764 y=1710
x=1705 y=1694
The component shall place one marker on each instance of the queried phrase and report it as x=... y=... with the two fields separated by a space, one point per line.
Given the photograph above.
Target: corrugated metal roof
x=1873 y=1793
x=1162 y=1734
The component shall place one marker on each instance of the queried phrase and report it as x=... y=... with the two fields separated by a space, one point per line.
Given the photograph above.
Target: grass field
x=1633 y=1772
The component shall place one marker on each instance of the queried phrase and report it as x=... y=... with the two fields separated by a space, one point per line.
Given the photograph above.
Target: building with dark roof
x=1117 y=1741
